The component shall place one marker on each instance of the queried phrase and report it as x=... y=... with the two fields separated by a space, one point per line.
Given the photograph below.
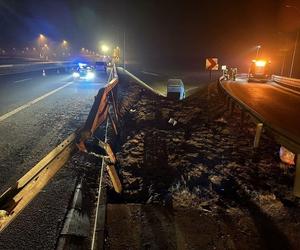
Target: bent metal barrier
x=281 y=136
x=18 y=196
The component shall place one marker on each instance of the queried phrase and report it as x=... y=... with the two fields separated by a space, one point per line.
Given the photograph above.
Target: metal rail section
x=17 y=197
x=291 y=83
x=282 y=137
x=140 y=82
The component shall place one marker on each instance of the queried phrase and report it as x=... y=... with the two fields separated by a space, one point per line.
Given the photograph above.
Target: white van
x=175 y=89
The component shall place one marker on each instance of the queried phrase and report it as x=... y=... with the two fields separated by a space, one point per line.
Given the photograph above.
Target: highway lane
x=32 y=123
x=26 y=137
x=17 y=89
x=279 y=107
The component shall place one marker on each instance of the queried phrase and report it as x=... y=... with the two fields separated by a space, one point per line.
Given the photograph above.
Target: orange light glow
x=260 y=63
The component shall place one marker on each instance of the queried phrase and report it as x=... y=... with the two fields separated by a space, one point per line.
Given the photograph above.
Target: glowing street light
x=64 y=43
x=41 y=43
x=104 y=48
x=42 y=39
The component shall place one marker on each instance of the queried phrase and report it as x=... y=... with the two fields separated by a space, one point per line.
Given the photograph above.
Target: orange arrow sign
x=212 y=64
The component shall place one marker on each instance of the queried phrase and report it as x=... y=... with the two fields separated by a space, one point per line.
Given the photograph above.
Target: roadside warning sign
x=212 y=64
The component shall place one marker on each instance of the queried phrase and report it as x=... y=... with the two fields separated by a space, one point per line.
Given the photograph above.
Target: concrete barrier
x=10 y=69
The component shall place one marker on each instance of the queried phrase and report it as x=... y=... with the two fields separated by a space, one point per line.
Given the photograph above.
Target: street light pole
x=257 y=51
x=283 y=63
x=296 y=42
x=294 y=53
x=124 y=49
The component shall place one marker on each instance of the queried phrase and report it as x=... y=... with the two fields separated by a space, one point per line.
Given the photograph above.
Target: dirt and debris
x=203 y=173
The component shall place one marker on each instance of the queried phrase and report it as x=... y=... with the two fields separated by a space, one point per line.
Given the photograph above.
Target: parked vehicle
x=100 y=66
x=175 y=89
x=259 y=71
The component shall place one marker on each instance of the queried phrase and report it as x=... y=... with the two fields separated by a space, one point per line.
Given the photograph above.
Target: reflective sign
x=212 y=64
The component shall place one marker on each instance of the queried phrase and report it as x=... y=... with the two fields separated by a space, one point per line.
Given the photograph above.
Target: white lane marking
x=23 y=80
x=28 y=104
x=149 y=73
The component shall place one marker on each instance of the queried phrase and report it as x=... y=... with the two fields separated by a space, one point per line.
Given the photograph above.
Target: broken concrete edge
x=76 y=222
x=140 y=82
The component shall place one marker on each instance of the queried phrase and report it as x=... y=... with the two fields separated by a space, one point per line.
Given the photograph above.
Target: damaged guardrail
x=282 y=137
x=105 y=106
x=290 y=83
x=18 y=196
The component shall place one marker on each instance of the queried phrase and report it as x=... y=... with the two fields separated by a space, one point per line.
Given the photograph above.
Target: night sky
x=157 y=31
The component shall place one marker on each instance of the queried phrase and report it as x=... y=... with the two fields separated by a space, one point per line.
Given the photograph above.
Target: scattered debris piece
x=172 y=121
x=286 y=156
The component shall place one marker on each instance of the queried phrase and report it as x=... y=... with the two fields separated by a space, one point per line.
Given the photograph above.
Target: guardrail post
x=259 y=128
x=114 y=177
x=297 y=177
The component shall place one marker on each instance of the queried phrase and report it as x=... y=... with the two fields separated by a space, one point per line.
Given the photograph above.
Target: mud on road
x=197 y=184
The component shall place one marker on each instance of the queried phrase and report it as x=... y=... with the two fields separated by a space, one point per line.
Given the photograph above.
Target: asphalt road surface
x=36 y=114
x=277 y=105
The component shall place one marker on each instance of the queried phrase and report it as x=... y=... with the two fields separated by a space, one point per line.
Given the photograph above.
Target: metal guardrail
x=282 y=137
x=291 y=83
x=17 y=197
x=140 y=82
